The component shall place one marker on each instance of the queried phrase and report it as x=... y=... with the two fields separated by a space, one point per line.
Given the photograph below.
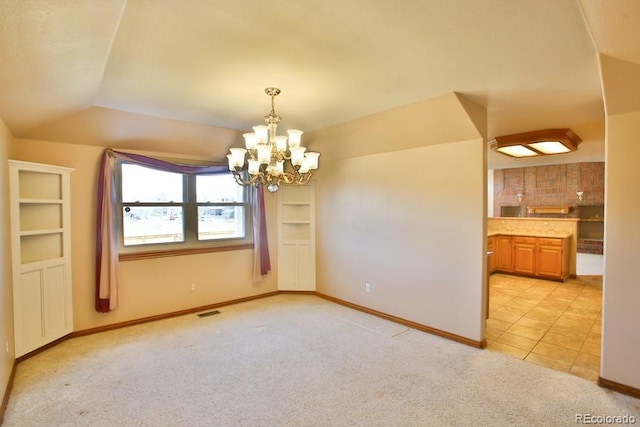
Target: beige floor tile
x=587 y=374
x=570 y=341
x=544 y=314
x=591 y=347
x=517 y=341
x=507 y=349
x=565 y=293
x=595 y=332
x=515 y=308
x=525 y=302
x=534 y=323
x=554 y=303
x=548 y=362
x=500 y=325
x=559 y=328
x=505 y=315
x=527 y=332
x=583 y=311
x=560 y=325
x=511 y=292
x=578 y=326
x=588 y=300
x=587 y=361
x=492 y=334
x=552 y=351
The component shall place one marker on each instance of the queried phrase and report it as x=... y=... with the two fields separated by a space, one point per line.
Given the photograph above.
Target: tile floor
x=553 y=324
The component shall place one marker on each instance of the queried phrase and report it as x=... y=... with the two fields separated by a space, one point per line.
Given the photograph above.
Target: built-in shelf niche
x=296 y=212
x=40 y=185
x=40 y=247
x=292 y=231
x=591 y=224
x=296 y=242
x=40 y=215
x=36 y=216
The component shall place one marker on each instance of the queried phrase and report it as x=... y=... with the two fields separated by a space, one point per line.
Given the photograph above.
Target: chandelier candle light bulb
x=272 y=160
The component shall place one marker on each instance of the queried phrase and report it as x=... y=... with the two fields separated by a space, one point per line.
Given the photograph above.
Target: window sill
x=179 y=252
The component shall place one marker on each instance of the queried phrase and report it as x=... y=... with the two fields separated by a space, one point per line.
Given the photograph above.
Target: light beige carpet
x=292 y=360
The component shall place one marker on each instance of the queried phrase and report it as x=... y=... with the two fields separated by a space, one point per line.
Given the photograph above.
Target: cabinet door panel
x=28 y=299
x=56 y=305
x=503 y=253
x=287 y=264
x=524 y=258
x=550 y=261
x=306 y=273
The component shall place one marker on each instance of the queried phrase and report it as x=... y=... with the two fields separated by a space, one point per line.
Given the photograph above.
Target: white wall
x=621 y=289
x=621 y=297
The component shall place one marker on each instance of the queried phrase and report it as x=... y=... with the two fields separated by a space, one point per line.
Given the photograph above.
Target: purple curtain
x=106 y=227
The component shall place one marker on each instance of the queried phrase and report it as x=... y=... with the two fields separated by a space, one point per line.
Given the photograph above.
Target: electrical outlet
x=193 y=287
x=367 y=287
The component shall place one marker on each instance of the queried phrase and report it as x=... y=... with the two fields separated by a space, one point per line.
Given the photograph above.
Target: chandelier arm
x=304 y=178
x=287 y=178
x=244 y=182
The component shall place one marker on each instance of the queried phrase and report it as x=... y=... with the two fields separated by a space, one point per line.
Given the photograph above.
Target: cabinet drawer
x=522 y=239
x=550 y=242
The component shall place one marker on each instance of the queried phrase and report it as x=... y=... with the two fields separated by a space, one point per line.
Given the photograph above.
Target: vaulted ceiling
x=532 y=63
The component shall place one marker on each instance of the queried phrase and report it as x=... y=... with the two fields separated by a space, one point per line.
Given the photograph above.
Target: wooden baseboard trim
x=113 y=326
x=43 y=348
x=409 y=323
x=297 y=292
x=7 y=391
x=620 y=388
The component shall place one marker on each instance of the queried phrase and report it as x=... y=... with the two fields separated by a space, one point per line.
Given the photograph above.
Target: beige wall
x=621 y=290
x=147 y=287
x=409 y=222
x=6 y=293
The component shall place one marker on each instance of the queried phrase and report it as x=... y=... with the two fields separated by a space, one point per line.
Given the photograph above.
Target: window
x=170 y=211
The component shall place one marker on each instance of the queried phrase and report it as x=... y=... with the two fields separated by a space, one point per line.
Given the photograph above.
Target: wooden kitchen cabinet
x=491 y=259
x=502 y=254
x=544 y=257
x=524 y=254
x=553 y=258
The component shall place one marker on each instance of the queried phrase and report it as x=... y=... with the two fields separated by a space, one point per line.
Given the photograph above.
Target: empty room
x=358 y=212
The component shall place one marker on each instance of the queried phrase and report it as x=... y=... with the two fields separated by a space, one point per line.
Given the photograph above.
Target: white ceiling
x=532 y=63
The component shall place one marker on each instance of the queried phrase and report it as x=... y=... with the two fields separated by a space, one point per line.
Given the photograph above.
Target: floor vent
x=208 y=313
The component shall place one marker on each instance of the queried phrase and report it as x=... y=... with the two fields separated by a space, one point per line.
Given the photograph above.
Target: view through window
x=160 y=207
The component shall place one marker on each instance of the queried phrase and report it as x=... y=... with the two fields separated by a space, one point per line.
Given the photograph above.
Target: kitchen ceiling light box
x=537 y=143
x=272 y=159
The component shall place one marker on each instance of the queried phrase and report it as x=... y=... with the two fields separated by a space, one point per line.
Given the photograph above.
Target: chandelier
x=272 y=159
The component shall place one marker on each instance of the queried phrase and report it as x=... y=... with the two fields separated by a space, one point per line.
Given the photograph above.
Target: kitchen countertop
x=526 y=218
x=531 y=234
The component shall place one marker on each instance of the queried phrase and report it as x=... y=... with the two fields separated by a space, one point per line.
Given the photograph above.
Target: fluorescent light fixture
x=517 y=151
x=537 y=143
x=550 y=147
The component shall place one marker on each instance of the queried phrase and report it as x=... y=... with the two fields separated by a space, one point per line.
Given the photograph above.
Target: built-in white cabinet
x=41 y=254
x=296 y=238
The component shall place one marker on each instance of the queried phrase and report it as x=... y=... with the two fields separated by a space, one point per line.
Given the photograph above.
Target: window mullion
x=190 y=209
